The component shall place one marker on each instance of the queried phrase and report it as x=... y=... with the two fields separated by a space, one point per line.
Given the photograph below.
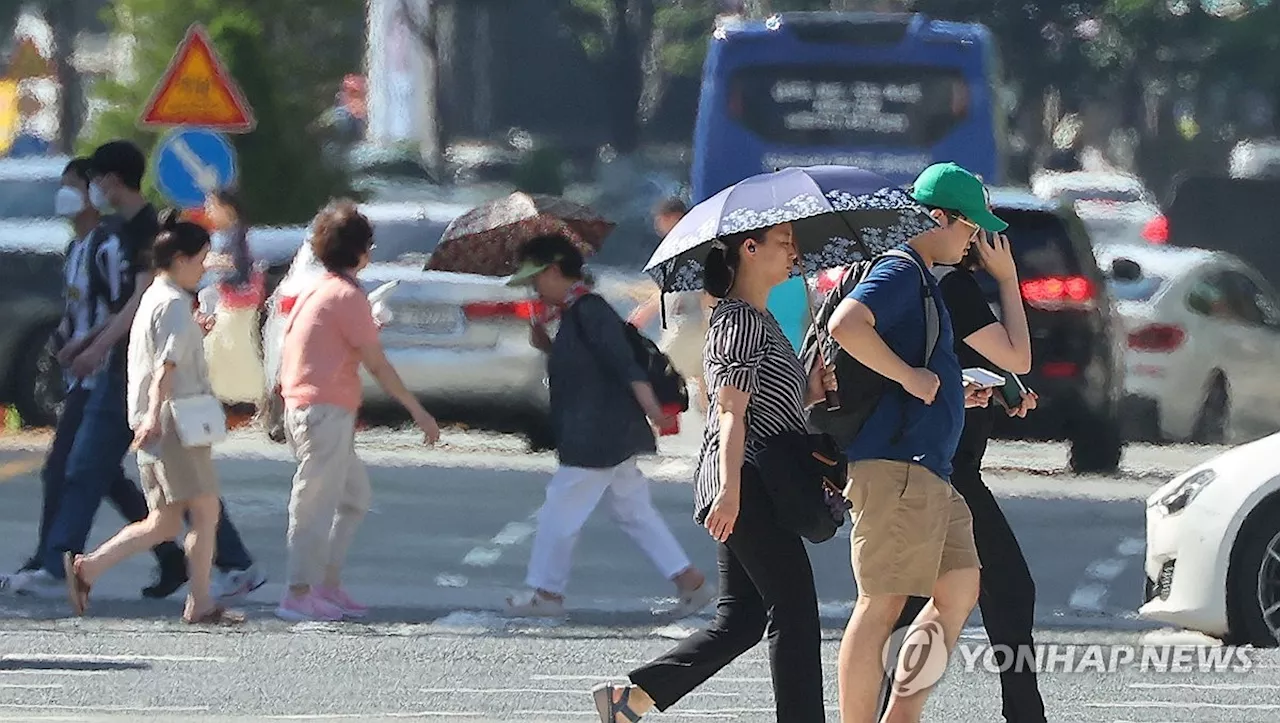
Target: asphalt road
x=448 y=539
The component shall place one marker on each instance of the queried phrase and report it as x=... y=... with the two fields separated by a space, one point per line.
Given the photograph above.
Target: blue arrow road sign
x=190 y=163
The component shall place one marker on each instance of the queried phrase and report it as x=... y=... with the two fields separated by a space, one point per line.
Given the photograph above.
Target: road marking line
x=91 y=658
x=366 y=716
x=513 y=533
x=1091 y=593
x=481 y=557
x=1206 y=686
x=1131 y=546
x=1186 y=704
x=108 y=708
x=1088 y=597
x=15 y=468
x=37 y=671
x=1107 y=569
x=718 y=678
x=547 y=691
x=32 y=686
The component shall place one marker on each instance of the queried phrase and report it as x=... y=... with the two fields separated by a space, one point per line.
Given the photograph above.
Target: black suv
x=1077 y=368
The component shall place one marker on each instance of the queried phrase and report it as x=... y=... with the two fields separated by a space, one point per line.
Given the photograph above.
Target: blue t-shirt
x=893 y=294
x=787 y=304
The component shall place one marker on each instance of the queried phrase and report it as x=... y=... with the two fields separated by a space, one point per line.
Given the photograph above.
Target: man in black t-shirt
x=1007 y=596
x=117 y=169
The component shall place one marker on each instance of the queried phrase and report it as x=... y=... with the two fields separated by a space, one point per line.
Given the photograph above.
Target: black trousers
x=1007 y=597
x=766 y=585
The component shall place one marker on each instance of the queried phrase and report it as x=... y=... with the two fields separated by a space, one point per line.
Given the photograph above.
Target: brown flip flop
x=216 y=616
x=77 y=588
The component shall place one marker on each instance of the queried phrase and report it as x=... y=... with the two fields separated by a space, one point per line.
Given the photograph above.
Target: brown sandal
x=77 y=588
x=217 y=616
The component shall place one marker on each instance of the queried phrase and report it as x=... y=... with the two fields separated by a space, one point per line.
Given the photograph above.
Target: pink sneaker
x=339 y=598
x=308 y=608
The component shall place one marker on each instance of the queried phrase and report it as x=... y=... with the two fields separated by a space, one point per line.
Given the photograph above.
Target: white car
x=1077 y=186
x=1213 y=547
x=1202 y=336
x=458 y=341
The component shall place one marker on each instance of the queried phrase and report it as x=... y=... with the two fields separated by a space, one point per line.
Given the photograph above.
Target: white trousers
x=572 y=495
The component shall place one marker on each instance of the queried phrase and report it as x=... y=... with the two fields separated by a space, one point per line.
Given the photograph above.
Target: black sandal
x=608 y=709
x=77 y=588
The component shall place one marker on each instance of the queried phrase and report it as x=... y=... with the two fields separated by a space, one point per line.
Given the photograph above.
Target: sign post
x=198 y=101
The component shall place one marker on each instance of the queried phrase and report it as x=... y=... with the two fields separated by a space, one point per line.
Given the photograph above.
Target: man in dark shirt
x=1007 y=593
x=117 y=169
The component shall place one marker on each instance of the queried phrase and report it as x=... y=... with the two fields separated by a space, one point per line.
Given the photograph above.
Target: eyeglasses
x=977 y=230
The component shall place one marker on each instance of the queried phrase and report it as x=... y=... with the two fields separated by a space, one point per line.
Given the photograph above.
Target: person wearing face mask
x=76 y=330
x=121 y=272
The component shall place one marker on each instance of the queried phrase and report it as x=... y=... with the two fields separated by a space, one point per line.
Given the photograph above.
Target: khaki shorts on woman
x=171 y=473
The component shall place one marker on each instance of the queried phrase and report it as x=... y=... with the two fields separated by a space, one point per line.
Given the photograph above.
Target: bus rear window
x=842 y=105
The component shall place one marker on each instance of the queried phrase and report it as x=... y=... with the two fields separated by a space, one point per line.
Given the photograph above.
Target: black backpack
x=668 y=386
x=860 y=388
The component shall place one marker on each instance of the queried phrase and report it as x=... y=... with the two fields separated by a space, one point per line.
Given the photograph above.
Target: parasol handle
x=833 y=401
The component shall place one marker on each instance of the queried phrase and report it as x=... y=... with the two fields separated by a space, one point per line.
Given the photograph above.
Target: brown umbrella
x=486 y=240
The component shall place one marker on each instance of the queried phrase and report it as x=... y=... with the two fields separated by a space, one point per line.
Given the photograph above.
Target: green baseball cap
x=950 y=187
x=524 y=275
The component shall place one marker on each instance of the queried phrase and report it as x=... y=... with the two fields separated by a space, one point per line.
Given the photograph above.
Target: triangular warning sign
x=197 y=90
x=28 y=62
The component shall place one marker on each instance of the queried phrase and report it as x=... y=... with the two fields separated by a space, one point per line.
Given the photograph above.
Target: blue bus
x=891 y=93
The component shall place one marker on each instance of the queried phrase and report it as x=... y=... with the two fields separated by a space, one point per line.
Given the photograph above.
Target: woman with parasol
x=738 y=246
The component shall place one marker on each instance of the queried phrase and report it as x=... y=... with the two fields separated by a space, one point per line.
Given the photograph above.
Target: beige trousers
x=331 y=492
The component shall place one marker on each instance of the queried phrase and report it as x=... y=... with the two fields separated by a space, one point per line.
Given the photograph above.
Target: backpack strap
x=932 y=320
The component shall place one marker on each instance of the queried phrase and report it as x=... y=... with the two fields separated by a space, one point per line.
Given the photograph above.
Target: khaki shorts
x=910 y=528
x=171 y=473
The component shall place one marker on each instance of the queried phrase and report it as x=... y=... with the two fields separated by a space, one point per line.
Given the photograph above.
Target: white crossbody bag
x=200 y=421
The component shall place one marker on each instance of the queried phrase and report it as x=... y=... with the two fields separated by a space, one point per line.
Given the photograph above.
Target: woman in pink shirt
x=331 y=332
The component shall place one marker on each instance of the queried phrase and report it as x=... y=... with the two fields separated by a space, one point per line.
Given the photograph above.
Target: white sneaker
x=36 y=583
x=529 y=604
x=693 y=601
x=236 y=584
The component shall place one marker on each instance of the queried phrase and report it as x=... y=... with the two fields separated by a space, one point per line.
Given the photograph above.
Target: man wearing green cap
x=913 y=533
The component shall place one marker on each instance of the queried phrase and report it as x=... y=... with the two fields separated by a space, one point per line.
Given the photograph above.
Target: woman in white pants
x=601 y=409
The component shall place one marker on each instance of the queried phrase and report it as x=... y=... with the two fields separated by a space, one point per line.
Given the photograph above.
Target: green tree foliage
x=288 y=56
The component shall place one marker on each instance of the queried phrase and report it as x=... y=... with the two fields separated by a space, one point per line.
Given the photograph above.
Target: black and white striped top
x=747 y=350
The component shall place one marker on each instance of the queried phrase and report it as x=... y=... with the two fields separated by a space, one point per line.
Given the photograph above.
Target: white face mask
x=68 y=202
x=98 y=198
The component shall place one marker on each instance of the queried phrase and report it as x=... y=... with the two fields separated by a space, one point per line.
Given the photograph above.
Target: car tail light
x=1159 y=338
x=286 y=303
x=1157 y=230
x=1059 y=292
x=525 y=310
x=1059 y=370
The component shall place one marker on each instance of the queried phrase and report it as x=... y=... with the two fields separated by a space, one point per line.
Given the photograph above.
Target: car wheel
x=1096 y=446
x=39 y=386
x=1214 y=417
x=1253 y=579
x=539 y=435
